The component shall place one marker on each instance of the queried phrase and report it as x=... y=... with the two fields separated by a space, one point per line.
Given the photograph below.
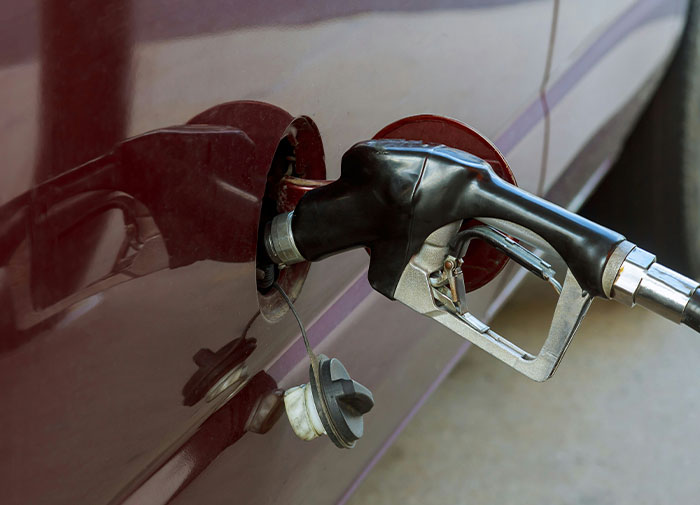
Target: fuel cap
x=333 y=405
x=345 y=401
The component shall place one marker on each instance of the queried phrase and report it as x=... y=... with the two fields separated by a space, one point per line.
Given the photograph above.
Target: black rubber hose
x=691 y=314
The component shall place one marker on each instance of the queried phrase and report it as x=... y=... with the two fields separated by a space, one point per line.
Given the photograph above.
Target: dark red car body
x=139 y=139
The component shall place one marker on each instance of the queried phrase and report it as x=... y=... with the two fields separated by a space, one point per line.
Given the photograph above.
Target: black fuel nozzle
x=405 y=202
x=392 y=194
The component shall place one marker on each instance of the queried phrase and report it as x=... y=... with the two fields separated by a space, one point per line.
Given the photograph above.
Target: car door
x=164 y=384
x=607 y=59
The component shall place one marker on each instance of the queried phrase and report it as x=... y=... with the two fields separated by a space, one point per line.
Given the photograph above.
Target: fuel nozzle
x=406 y=201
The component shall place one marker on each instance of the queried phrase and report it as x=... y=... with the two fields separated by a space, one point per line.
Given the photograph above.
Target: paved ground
x=619 y=423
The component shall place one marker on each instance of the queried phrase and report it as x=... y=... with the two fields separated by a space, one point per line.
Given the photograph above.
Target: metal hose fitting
x=641 y=280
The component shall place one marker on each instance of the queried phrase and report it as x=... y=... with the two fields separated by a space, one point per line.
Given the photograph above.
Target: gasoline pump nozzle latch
x=405 y=201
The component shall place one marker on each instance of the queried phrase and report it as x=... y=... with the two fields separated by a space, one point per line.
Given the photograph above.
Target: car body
x=95 y=398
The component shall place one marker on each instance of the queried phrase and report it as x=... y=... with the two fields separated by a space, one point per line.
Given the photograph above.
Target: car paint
x=93 y=405
x=600 y=63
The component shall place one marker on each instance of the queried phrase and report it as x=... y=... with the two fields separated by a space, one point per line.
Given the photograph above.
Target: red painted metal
x=188 y=194
x=253 y=409
x=291 y=189
x=214 y=365
x=482 y=263
x=143 y=177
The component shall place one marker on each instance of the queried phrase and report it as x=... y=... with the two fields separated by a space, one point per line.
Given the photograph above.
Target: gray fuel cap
x=344 y=399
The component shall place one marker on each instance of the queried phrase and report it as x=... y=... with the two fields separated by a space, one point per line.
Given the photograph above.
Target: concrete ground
x=619 y=423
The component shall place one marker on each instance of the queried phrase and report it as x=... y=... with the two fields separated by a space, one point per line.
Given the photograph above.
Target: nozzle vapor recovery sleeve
x=392 y=194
